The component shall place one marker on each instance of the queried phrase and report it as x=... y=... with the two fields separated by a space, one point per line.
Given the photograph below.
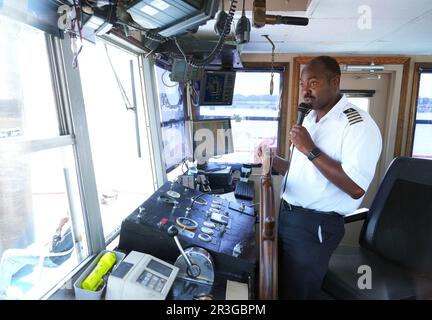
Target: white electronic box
x=141 y=276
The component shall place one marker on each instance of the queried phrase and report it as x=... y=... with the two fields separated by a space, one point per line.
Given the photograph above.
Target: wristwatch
x=314 y=153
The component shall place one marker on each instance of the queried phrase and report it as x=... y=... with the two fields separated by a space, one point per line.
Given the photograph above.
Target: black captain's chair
x=395 y=241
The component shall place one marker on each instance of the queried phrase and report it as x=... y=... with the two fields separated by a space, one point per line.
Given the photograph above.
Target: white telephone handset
x=141 y=276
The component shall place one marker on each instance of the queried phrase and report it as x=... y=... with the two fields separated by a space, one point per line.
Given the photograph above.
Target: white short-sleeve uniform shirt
x=346 y=134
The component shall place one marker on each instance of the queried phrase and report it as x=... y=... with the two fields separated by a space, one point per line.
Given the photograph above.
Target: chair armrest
x=359 y=214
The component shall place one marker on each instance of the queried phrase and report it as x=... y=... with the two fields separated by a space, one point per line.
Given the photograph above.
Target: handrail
x=268 y=273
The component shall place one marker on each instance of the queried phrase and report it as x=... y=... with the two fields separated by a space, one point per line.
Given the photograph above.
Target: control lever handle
x=173 y=232
x=193 y=270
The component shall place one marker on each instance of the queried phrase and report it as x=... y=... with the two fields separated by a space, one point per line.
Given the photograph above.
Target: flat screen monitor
x=211 y=137
x=217 y=88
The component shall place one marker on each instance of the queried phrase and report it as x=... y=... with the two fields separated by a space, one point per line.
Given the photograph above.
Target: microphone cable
x=302 y=110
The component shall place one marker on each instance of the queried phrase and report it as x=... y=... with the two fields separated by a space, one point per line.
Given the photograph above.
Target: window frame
x=283 y=69
x=75 y=124
x=155 y=130
x=419 y=68
x=73 y=132
x=141 y=121
x=58 y=60
x=283 y=113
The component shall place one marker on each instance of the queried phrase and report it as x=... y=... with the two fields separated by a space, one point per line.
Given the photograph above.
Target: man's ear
x=336 y=81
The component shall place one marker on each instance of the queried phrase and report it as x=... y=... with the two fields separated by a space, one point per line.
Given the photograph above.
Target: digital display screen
x=217 y=88
x=122 y=269
x=159 y=267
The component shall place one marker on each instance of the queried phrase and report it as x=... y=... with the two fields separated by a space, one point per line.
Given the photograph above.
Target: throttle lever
x=193 y=270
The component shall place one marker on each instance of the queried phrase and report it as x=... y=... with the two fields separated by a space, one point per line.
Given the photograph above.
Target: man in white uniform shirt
x=333 y=163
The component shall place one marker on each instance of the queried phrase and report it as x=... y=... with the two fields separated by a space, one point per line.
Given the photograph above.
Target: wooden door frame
x=405 y=61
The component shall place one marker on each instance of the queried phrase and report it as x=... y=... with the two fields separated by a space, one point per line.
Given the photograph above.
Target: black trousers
x=307 y=239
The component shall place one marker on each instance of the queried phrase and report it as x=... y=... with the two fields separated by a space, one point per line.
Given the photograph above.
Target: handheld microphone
x=243 y=28
x=302 y=111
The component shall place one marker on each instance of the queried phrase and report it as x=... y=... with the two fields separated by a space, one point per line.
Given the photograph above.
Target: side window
x=422 y=147
x=254 y=114
x=118 y=137
x=38 y=181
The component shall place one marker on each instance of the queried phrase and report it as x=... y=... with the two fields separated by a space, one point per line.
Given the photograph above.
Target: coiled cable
x=197 y=63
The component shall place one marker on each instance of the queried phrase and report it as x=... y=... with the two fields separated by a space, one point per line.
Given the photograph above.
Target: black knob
x=172 y=231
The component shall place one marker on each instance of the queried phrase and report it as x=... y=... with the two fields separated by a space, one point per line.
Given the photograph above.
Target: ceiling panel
x=304 y=47
x=276 y=33
x=380 y=9
x=398 y=27
x=406 y=48
x=343 y=30
x=417 y=30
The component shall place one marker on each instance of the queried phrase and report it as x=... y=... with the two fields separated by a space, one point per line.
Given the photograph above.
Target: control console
x=224 y=228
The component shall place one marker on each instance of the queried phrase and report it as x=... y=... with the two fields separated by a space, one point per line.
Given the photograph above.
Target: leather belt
x=291 y=207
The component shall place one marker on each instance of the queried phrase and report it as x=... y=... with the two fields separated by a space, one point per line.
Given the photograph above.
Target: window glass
x=123 y=175
x=254 y=115
x=422 y=146
x=38 y=184
x=44 y=188
x=27 y=106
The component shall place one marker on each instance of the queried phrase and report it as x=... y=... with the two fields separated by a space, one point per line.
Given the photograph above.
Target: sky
x=256 y=82
x=426 y=85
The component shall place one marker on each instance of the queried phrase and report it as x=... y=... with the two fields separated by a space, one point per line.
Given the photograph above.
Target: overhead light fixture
x=364 y=67
x=173 y=17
